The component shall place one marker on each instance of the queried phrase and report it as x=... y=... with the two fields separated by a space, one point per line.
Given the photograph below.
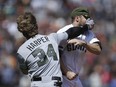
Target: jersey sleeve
x=60 y=36
x=76 y=31
x=71 y=33
x=92 y=38
x=63 y=43
x=65 y=28
x=21 y=61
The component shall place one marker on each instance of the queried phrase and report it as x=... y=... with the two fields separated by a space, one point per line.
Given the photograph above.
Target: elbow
x=98 y=52
x=24 y=72
x=99 y=49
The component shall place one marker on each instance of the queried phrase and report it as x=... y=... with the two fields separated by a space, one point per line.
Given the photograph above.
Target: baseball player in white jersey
x=72 y=56
x=38 y=57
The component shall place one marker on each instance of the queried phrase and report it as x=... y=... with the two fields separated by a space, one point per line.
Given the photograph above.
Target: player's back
x=41 y=55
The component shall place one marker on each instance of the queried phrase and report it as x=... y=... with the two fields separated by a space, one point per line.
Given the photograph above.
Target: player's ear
x=77 y=18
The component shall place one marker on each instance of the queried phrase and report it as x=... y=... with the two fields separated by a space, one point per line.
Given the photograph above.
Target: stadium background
x=98 y=71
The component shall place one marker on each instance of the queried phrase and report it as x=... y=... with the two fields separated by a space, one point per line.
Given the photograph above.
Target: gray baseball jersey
x=73 y=56
x=40 y=55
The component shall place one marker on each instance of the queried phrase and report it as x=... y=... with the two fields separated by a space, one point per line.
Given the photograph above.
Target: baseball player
x=72 y=55
x=38 y=56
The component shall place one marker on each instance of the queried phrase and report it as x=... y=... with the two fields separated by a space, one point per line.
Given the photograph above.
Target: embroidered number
x=41 y=57
x=51 y=52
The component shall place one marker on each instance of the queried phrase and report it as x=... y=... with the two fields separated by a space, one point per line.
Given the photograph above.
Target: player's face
x=79 y=20
x=82 y=20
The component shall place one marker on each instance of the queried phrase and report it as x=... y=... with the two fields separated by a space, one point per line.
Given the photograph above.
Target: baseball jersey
x=40 y=55
x=73 y=56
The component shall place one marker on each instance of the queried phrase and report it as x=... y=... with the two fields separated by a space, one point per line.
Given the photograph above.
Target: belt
x=35 y=78
x=58 y=83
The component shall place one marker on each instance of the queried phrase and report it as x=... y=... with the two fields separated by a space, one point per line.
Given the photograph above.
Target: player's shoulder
x=89 y=33
x=21 y=48
x=64 y=28
x=52 y=34
x=91 y=37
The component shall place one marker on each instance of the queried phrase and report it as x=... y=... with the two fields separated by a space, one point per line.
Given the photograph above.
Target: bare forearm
x=69 y=74
x=63 y=68
x=93 y=48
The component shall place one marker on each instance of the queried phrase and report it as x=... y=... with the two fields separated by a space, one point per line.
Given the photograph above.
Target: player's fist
x=90 y=23
x=71 y=75
x=77 y=42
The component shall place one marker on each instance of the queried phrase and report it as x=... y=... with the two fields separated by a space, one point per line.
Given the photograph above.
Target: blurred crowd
x=98 y=71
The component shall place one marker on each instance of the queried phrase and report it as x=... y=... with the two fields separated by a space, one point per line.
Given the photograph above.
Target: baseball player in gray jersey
x=72 y=57
x=38 y=56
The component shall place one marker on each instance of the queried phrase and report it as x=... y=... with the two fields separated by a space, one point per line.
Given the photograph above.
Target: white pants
x=42 y=84
x=45 y=82
x=71 y=83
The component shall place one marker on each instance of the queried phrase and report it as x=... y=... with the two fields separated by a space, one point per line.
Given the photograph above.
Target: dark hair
x=27 y=25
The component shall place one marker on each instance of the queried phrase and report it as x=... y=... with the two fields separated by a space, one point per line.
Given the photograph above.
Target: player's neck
x=75 y=24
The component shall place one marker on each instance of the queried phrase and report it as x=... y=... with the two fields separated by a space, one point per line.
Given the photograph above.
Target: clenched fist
x=90 y=23
x=71 y=75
